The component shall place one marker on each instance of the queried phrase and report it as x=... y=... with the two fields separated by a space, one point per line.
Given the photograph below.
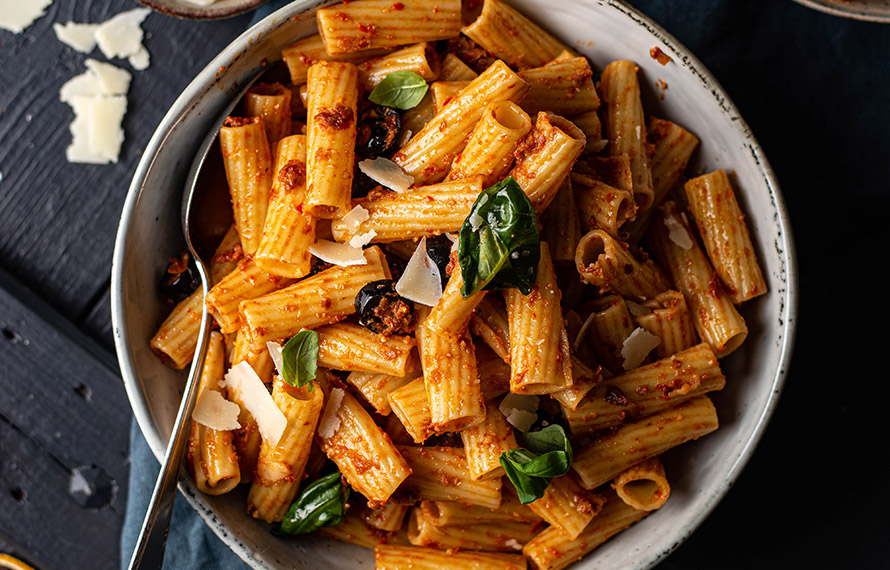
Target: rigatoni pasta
x=431 y=389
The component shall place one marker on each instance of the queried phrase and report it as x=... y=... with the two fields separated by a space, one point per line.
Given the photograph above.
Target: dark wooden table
x=816 y=92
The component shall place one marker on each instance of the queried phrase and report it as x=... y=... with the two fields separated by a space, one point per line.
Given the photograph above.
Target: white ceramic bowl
x=701 y=472
x=870 y=10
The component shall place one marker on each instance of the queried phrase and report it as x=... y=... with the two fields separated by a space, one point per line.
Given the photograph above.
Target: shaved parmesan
x=520 y=410
x=677 y=233
x=215 y=412
x=637 y=346
x=597 y=146
x=81 y=37
x=636 y=309
x=341 y=254
x=121 y=36
x=16 y=15
x=361 y=240
x=582 y=332
x=275 y=352
x=355 y=218
x=258 y=401
x=98 y=98
x=386 y=172
x=421 y=281
x=330 y=420
x=99 y=79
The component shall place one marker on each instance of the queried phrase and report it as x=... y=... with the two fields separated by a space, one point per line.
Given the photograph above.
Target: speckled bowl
x=701 y=472
x=216 y=11
x=871 y=10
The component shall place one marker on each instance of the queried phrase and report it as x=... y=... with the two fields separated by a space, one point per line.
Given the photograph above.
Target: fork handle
x=152 y=542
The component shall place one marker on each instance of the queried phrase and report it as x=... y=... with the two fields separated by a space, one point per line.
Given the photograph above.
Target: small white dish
x=194 y=11
x=700 y=472
x=869 y=10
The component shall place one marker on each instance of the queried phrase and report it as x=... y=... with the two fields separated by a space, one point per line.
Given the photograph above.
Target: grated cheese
x=637 y=346
x=421 y=282
x=258 y=401
x=215 y=412
x=386 y=172
x=341 y=254
x=16 y=15
x=520 y=410
x=330 y=420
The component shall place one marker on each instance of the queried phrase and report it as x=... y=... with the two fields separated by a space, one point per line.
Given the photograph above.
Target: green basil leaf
x=529 y=489
x=547 y=454
x=400 y=89
x=546 y=440
x=499 y=245
x=300 y=359
x=322 y=503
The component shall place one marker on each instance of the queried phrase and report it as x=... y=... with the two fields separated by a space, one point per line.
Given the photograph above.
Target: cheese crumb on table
x=16 y=15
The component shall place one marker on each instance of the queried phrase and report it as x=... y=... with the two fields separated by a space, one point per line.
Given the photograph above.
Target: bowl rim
x=838 y=9
x=789 y=301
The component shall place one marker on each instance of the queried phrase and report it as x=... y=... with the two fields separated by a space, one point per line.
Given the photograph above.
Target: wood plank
x=59 y=219
x=97 y=321
x=63 y=412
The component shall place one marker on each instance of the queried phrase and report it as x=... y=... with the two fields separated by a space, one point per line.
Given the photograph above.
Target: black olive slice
x=181 y=278
x=377 y=131
x=382 y=310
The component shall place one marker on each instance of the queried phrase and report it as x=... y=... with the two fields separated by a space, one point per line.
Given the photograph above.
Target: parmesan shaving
x=16 y=15
x=355 y=218
x=361 y=240
x=520 y=410
x=342 y=254
x=81 y=37
x=215 y=412
x=582 y=332
x=677 y=233
x=597 y=146
x=258 y=401
x=121 y=36
x=275 y=352
x=330 y=420
x=386 y=172
x=513 y=543
x=98 y=98
x=421 y=282
x=636 y=309
x=637 y=346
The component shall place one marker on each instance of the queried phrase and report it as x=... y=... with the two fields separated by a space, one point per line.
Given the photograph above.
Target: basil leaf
x=400 y=89
x=499 y=245
x=300 y=359
x=547 y=454
x=548 y=439
x=322 y=503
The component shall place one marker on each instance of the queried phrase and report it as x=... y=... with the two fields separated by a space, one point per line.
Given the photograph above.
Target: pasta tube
x=643 y=486
x=721 y=225
x=715 y=317
x=540 y=361
x=633 y=443
x=280 y=468
x=332 y=99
